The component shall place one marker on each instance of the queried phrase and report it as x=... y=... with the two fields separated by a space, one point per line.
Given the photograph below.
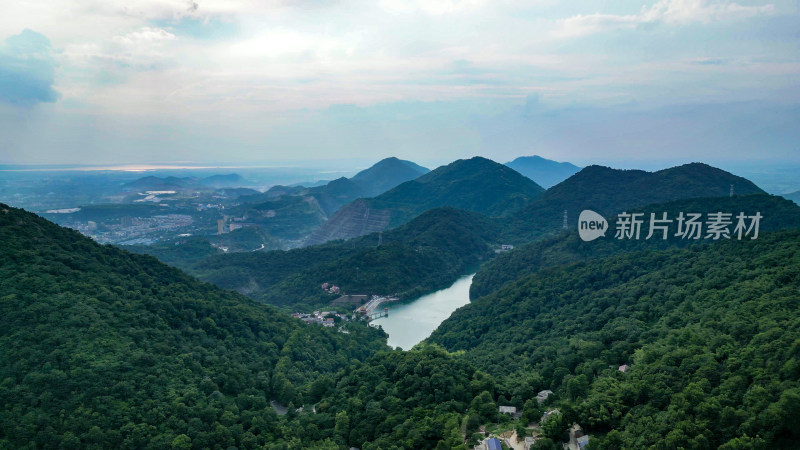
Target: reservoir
x=408 y=324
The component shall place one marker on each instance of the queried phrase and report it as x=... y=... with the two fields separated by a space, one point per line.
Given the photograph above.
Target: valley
x=399 y=225
x=290 y=358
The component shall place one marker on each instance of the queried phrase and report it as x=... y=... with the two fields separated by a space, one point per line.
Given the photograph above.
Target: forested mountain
x=386 y=174
x=424 y=255
x=609 y=191
x=336 y=193
x=545 y=172
x=476 y=184
x=566 y=248
x=106 y=349
x=377 y=179
x=710 y=335
x=224 y=181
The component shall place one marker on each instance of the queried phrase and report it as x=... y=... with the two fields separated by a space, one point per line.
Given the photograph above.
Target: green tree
x=181 y=442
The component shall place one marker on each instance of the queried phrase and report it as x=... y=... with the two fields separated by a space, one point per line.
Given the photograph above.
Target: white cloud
x=146 y=35
x=143 y=48
x=436 y=7
x=150 y=9
x=664 y=11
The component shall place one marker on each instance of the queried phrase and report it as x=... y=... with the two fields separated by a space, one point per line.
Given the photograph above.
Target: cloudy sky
x=99 y=81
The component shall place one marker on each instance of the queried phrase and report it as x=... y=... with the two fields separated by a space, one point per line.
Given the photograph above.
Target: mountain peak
x=386 y=174
x=543 y=171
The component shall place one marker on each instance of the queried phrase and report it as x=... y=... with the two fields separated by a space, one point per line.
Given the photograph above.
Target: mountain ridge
x=476 y=184
x=608 y=191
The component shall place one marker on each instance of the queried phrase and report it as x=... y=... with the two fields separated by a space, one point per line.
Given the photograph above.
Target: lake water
x=408 y=324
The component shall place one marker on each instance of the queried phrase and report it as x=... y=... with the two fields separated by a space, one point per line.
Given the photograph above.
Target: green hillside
x=106 y=349
x=710 y=334
x=566 y=248
x=476 y=184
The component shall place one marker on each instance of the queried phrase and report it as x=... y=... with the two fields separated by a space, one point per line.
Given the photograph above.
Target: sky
x=198 y=81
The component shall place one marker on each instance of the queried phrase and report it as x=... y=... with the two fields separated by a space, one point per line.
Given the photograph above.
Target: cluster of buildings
x=578 y=439
x=330 y=288
x=324 y=318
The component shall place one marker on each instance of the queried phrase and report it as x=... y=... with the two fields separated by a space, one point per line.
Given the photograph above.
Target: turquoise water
x=408 y=324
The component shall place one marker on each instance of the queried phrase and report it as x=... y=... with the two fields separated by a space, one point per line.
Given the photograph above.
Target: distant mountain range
x=544 y=172
x=793 y=196
x=476 y=184
x=224 y=181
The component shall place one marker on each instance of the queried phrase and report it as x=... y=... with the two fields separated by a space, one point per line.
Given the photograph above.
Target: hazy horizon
x=142 y=81
x=775 y=177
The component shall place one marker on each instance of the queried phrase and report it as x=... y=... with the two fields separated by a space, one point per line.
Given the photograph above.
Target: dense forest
x=777 y=214
x=108 y=349
x=710 y=334
x=102 y=348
